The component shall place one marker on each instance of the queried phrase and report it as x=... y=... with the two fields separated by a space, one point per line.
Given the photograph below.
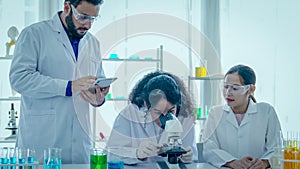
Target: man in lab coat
x=54 y=63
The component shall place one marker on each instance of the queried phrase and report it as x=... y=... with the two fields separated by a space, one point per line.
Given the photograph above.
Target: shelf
x=117 y=99
x=9 y=57
x=131 y=60
x=3 y=140
x=207 y=78
x=10 y=99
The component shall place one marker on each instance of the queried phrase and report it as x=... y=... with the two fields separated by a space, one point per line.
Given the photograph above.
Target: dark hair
x=247 y=75
x=168 y=88
x=75 y=3
x=136 y=94
x=186 y=105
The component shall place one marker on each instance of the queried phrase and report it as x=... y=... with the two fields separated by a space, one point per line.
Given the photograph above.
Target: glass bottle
x=276 y=159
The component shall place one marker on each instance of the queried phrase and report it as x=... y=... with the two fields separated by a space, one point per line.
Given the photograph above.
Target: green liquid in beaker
x=98 y=162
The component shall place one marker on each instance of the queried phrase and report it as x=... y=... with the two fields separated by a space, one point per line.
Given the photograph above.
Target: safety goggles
x=235 y=89
x=83 y=18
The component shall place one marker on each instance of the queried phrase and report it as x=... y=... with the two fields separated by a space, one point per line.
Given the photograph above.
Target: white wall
x=264 y=35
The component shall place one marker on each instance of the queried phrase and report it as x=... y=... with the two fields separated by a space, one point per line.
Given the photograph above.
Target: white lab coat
x=42 y=64
x=130 y=129
x=224 y=140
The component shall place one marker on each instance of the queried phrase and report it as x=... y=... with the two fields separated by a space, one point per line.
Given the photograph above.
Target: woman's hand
x=187 y=157
x=243 y=163
x=147 y=149
x=257 y=163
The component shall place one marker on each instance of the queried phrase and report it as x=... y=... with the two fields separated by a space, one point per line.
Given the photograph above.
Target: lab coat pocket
x=33 y=132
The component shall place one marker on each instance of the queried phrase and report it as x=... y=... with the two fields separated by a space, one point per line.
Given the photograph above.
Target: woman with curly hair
x=140 y=127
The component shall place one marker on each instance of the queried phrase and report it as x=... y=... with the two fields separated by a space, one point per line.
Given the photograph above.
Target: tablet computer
x=105 y=82
x=102 y=83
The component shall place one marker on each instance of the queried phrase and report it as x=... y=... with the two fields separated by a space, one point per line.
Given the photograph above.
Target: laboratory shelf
x=3 y=140
x=203 y=118
x=132 y=60
x=10 y=99
x=117 y=99
x=9 y=57
x=206 y=78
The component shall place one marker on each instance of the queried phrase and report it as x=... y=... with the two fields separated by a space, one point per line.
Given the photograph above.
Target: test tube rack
x=34 y=164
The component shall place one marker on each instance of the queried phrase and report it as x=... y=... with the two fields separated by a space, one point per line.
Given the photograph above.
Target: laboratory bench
x=140 y=165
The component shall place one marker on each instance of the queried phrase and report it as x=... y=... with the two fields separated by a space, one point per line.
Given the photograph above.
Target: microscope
x=172 y=150
x=12 y=124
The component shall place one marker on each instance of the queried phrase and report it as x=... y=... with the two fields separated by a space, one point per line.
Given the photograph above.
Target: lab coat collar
x=62 y=34
x=252 y=109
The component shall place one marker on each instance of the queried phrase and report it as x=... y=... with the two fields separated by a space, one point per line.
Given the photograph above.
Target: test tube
x=30 y=157
x=22 y=155
x=287 y=151
x=1 y=152
x=297 y=157
x=295 y=149
x=12 y=157
x=4 y=157
x=206 y=111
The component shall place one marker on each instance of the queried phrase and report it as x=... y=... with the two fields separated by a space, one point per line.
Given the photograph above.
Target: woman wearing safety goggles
x=241 y=134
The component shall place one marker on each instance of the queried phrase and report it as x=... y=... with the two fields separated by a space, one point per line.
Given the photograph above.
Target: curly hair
x=186 y=105
x=164 y=84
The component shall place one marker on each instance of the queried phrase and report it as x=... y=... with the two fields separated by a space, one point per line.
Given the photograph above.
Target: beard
x=72 y=30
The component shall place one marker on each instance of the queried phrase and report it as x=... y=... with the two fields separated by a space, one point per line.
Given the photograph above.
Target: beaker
x=52 y=158
x=98 y=158
x=114 y=159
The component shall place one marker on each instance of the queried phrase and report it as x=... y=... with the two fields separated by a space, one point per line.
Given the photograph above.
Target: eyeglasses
x=83 y=18
x=236 y=89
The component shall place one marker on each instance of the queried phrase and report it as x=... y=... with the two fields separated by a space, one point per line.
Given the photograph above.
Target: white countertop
x=140 y=165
